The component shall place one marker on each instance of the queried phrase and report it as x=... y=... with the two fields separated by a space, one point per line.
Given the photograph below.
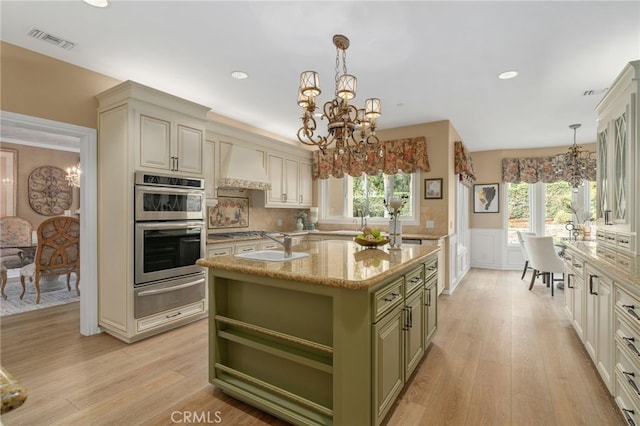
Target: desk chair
x=58 y=252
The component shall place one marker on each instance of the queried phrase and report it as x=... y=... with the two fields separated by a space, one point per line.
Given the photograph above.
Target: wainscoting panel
x=489 y=250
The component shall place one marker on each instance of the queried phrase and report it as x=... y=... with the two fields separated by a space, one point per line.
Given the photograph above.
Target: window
x=345 y=197
x=544 y=208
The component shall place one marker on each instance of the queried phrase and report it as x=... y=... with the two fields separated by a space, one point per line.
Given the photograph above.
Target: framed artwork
x=486 y=197
x=9 y=175
x=229 y=212
x=433 y=189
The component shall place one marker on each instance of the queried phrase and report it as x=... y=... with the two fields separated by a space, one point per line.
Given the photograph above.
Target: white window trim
x=344 y=220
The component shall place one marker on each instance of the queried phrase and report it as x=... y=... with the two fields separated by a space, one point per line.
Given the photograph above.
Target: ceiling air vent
x=594 y=92
x=41 y=35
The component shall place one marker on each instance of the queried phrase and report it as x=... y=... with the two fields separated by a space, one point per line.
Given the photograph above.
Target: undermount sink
x=271 y=255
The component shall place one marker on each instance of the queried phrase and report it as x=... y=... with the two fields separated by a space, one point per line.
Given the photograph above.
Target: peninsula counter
x=330 y=338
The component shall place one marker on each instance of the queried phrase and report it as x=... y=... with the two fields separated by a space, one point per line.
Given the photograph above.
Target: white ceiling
x=425 y=60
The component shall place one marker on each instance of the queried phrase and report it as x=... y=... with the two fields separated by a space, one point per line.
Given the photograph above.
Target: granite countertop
x=332 y=263
x=630 y=274
x=212 y=239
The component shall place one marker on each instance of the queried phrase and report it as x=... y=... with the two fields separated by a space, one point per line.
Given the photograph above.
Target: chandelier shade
x=348 y=127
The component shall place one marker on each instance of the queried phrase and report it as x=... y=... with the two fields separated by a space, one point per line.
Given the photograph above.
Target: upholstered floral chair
x=58 y=252
x=15 y=232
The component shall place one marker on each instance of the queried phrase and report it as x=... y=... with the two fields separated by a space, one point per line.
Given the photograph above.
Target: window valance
x=537 y=169
x=463 y=164
x=389 y=157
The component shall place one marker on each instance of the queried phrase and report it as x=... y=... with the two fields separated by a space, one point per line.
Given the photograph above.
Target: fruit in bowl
x=371 y=237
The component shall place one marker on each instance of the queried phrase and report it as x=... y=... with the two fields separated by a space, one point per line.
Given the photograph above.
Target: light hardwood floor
x=502 y=355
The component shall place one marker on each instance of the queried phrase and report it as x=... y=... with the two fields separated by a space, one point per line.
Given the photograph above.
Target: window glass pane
x=557 y=198
x=345 y=197
x=517 y=210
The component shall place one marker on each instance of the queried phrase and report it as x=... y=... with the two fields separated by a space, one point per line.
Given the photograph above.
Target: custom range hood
x=243 y=168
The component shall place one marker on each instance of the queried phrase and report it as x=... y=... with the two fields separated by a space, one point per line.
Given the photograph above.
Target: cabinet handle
x=631 y=311
x=631 y=382
x=569 y=281
x=428 y=297
x=591 y=277
x=577 y=265
x=630 y=344
x=410 y=316
x=300 y=200
x=173 y=315
x=405 y=327
x=393 y=296
x=177 y=164
x=627 y=416
x=415 y=279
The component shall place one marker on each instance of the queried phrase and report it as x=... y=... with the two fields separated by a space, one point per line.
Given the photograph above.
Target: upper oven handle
x=164 y=190
x=171 y=224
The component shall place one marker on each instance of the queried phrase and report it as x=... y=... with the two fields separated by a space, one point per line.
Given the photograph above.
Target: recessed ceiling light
x=507 y=75
x=97 y=3
x=239 y=75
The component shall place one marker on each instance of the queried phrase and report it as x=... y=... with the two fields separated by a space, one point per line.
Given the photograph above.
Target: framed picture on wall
x=433 y=189
x=485 y=198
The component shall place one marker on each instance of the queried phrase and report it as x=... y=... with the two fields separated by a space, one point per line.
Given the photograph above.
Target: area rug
x=13 y=305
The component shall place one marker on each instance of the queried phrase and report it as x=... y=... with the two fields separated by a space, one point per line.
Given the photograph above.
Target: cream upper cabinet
x=618 y=153
x=170 y=142
x=290 y=179
x=210 y=168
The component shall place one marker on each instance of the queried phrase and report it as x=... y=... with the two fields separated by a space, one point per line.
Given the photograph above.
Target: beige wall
x=28 y=159
x=488 y=169
x=439 y=136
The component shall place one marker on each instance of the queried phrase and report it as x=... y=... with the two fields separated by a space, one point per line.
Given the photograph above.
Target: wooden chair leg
x=533 y=278
x=36 y=282
x=68 y=280
x=4 y=283
x=551 y=279
x=78 y=282
x=524 y=271
x=24 y=287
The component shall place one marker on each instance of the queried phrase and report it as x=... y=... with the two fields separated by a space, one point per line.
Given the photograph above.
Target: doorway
x=27 y=130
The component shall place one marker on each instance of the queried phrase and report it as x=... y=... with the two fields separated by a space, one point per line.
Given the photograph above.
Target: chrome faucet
x=286 y=242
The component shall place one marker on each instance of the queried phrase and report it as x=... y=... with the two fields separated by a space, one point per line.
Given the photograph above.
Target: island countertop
x=333 y=263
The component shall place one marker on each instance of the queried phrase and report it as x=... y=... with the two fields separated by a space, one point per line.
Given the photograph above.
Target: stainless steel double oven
x=170 y=235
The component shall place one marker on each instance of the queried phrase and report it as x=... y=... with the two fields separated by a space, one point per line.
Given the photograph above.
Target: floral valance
x=537 y=169
x=389 y=157
x=463 y=164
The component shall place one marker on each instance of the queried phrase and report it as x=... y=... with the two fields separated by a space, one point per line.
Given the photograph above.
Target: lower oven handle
x=168 y=289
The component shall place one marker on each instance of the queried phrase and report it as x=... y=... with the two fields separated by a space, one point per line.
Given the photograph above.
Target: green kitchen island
x=329 y=338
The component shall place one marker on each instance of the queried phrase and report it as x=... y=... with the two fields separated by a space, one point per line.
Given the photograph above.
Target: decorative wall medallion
x=49 y=194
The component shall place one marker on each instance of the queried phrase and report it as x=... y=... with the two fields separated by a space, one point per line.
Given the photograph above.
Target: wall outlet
x=279 y=222
x=430 y=224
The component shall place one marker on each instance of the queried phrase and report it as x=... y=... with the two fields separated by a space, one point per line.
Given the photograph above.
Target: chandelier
x=349 y=127
x=73 y=176
x=573 y=166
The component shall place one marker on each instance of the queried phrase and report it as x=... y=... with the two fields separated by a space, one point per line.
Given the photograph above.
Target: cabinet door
x=275 y=168
x=189 y=150
x=604 y=337
x=209 y=171
x=569 y=294
x=155 y=143
x=602 y=180
x=414 y=331
x=431 y=314
x=388 y=361
x=578 y=305
x=620 y=168
x=591 y=316
x=306 y=191
x=291 y=181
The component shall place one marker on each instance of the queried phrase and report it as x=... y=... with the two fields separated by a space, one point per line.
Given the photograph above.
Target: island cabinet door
x=388 y=361
x=414 y=331
x=431 y=314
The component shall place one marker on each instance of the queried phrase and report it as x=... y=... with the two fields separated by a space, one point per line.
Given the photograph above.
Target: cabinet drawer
x=387 y=298
x=624 y=401
x=600 y=235
x=269 y=246
x=610 y=255
x=414 y=279
x=213 y=251
x=245 y=248
x=577 y=264
x=629 y=371
x=431 y=269
x=623 y=262
x=610 y=238
x=624 y=241
x=628 y=339
x=170 y=316
x=627 y=307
